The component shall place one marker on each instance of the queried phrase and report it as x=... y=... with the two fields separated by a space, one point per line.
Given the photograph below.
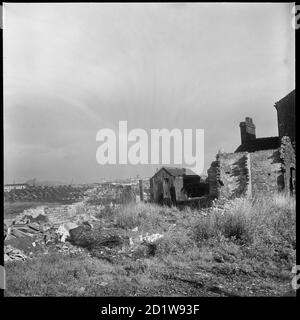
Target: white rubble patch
x=34 y=212
x=63 y=230
x=150 y=238
x=136 y=241
x=13 y=254
x=23 y=217
x=131 y=243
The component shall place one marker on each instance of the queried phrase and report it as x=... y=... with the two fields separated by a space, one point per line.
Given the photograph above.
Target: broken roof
x=175 y=172
x=259 y=144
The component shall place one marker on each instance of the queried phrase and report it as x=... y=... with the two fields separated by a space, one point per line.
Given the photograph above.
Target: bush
x=236 y=223
x=205 y=228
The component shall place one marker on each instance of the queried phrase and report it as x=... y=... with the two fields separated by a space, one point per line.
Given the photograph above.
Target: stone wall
x=233 y=174
x=228 y=176
x=213 y=178
x=288 y=157
x=266 y=171
x=159 y=186
x=247 y=174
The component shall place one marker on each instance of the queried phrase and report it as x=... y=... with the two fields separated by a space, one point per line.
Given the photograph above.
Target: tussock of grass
x=251 y=220
x=145 y=215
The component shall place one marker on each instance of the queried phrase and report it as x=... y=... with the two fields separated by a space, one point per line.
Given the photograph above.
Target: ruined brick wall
x=288 y=157
x=233 y=174
x=266 y=171
x=246 y=174
x=213 y=177
x=228 y=176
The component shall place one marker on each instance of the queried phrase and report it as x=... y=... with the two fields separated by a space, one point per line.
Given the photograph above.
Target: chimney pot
x=247 y=130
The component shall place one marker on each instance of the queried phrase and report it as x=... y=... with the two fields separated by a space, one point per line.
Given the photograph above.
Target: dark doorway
x=173 y=195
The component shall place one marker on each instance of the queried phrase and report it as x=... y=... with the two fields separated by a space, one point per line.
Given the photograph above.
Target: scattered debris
x=103 y=283
x=63 y=230
x=150 y=239
x=68 y=248
x=131 y=243
x=42 y=229
x=70 y=229
x=13 y=254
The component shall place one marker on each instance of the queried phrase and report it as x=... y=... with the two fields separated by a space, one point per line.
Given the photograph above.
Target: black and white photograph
x=149 y=150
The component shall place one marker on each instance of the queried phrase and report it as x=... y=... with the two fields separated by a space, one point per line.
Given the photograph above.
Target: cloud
x=72 y=69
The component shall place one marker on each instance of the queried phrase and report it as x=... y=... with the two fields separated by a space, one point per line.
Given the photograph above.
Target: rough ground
x=237 y=248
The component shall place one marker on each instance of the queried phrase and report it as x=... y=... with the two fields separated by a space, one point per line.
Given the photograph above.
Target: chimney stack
x=247 y=130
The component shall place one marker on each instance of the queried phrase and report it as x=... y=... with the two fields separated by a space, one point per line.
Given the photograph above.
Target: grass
x=141 y=215
x=245 y=247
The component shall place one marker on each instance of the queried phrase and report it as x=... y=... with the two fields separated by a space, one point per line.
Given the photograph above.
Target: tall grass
x=145 y=215
x=249 y=220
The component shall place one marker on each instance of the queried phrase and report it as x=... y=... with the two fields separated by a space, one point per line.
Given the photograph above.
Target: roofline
x=271 y=149
x=285 y=97
x=166 y=169
x=162 y=168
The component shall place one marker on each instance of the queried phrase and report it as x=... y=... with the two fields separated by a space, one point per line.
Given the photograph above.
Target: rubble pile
x=12 y=254
x=42 y=229
x=71 y=229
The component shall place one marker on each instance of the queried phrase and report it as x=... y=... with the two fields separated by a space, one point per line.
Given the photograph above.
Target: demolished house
x=172 y=185
x=258 y=165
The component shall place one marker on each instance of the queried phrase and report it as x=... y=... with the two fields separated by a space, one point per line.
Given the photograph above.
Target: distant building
x=15 y=186
x=259 y=165
x=172 y=185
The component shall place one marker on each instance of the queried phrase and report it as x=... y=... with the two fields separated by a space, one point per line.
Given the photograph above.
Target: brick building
x=258 y=165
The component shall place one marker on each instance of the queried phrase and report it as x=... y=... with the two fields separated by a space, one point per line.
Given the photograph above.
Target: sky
x=71 y=69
